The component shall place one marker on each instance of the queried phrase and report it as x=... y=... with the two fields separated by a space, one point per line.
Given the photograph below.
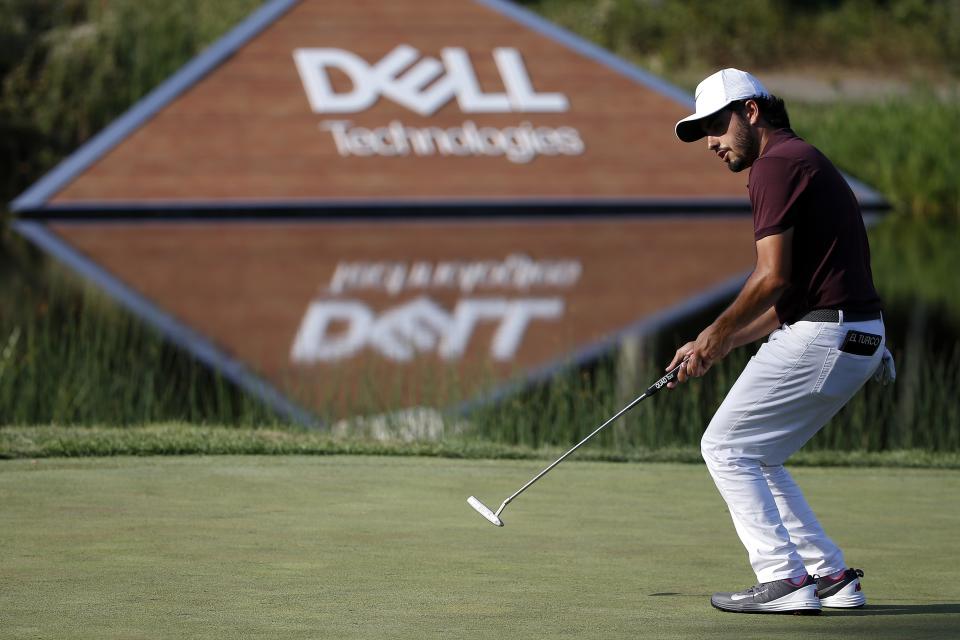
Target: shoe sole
x=802 y=602
x=850 y=597
x=810 y=611
x=841 y=601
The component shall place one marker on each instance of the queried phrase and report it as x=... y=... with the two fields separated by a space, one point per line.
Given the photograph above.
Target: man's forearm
x=759 y=328
x=749 y=313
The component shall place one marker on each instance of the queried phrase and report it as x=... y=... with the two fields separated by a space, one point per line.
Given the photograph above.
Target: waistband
x=833 y=315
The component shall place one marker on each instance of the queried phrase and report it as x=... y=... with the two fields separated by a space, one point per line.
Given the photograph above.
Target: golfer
x=812 y=293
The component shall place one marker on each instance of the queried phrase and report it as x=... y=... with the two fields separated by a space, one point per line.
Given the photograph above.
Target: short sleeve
x=776 y=185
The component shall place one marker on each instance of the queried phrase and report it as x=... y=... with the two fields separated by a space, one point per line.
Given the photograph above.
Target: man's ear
x=752 y=110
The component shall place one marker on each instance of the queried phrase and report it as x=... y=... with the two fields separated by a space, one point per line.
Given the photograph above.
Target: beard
x=746 y=148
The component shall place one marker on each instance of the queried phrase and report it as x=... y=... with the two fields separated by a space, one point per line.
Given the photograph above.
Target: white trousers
x=795 y=383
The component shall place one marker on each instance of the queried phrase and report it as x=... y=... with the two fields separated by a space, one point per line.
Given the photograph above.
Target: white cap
x=715 y=93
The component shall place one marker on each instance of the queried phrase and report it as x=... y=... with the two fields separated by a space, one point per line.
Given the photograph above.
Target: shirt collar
x=776 y=137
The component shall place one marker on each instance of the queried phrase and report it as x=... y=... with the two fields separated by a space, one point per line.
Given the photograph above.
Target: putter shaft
x=652 y=389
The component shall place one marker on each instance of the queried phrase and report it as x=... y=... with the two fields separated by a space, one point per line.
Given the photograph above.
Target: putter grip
x=662 y=382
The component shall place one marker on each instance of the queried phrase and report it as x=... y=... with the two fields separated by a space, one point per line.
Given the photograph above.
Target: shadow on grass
x=869 y=610
x=898 y=610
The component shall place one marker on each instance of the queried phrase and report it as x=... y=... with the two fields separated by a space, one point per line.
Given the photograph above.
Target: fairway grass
x=386 y=547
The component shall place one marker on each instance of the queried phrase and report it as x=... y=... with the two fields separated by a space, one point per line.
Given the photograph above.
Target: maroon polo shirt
x=794 y=186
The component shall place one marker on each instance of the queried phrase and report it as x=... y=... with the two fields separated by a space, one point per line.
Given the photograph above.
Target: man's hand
x=681 y=356
x=751 y=314
x=713 y=344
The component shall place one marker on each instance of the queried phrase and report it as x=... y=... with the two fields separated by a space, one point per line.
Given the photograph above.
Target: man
x=812 y=292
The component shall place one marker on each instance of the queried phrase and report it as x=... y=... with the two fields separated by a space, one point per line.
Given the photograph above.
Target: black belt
x=833 y=315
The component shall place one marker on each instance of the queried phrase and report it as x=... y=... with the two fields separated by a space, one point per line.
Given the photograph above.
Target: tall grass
x=903 y=146
x=682 y=34
x=920 y=413
x=69 y=67
x=68 y=355
x=72 y=358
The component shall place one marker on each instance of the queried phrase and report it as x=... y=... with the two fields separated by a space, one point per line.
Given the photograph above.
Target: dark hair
x=772 y=110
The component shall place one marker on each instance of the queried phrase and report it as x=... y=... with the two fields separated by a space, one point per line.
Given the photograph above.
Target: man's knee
x=721 y=454
x=709 y=450
x=712 y=439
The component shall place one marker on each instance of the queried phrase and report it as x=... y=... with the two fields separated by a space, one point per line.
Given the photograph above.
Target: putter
x=494 y=518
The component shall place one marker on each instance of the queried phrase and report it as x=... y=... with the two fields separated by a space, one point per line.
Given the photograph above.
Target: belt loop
x=840 y=311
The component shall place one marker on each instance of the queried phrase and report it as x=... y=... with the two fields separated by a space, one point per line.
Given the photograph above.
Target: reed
x=675 y=36
x=902 y=146
x=919 y=411
x=68 y=355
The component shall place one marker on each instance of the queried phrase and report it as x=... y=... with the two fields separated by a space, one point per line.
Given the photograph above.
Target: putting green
x=382 y=547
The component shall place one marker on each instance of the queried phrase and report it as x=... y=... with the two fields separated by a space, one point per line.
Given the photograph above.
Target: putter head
x=484 y=511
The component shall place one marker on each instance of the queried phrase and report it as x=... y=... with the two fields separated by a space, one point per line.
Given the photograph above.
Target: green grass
x=72 y=358
x=69 y=68
x=676 y=35
x=183 y=439
x=359 y=547
x=70 y=355
x=901 y=146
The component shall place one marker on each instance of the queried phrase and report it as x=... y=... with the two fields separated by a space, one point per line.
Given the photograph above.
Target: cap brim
x=689 y=129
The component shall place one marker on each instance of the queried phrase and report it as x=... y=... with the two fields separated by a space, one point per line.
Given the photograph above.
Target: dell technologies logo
x=423 y=85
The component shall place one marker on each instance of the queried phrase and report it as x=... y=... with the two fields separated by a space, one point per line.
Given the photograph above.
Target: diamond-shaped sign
x=398 y=196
